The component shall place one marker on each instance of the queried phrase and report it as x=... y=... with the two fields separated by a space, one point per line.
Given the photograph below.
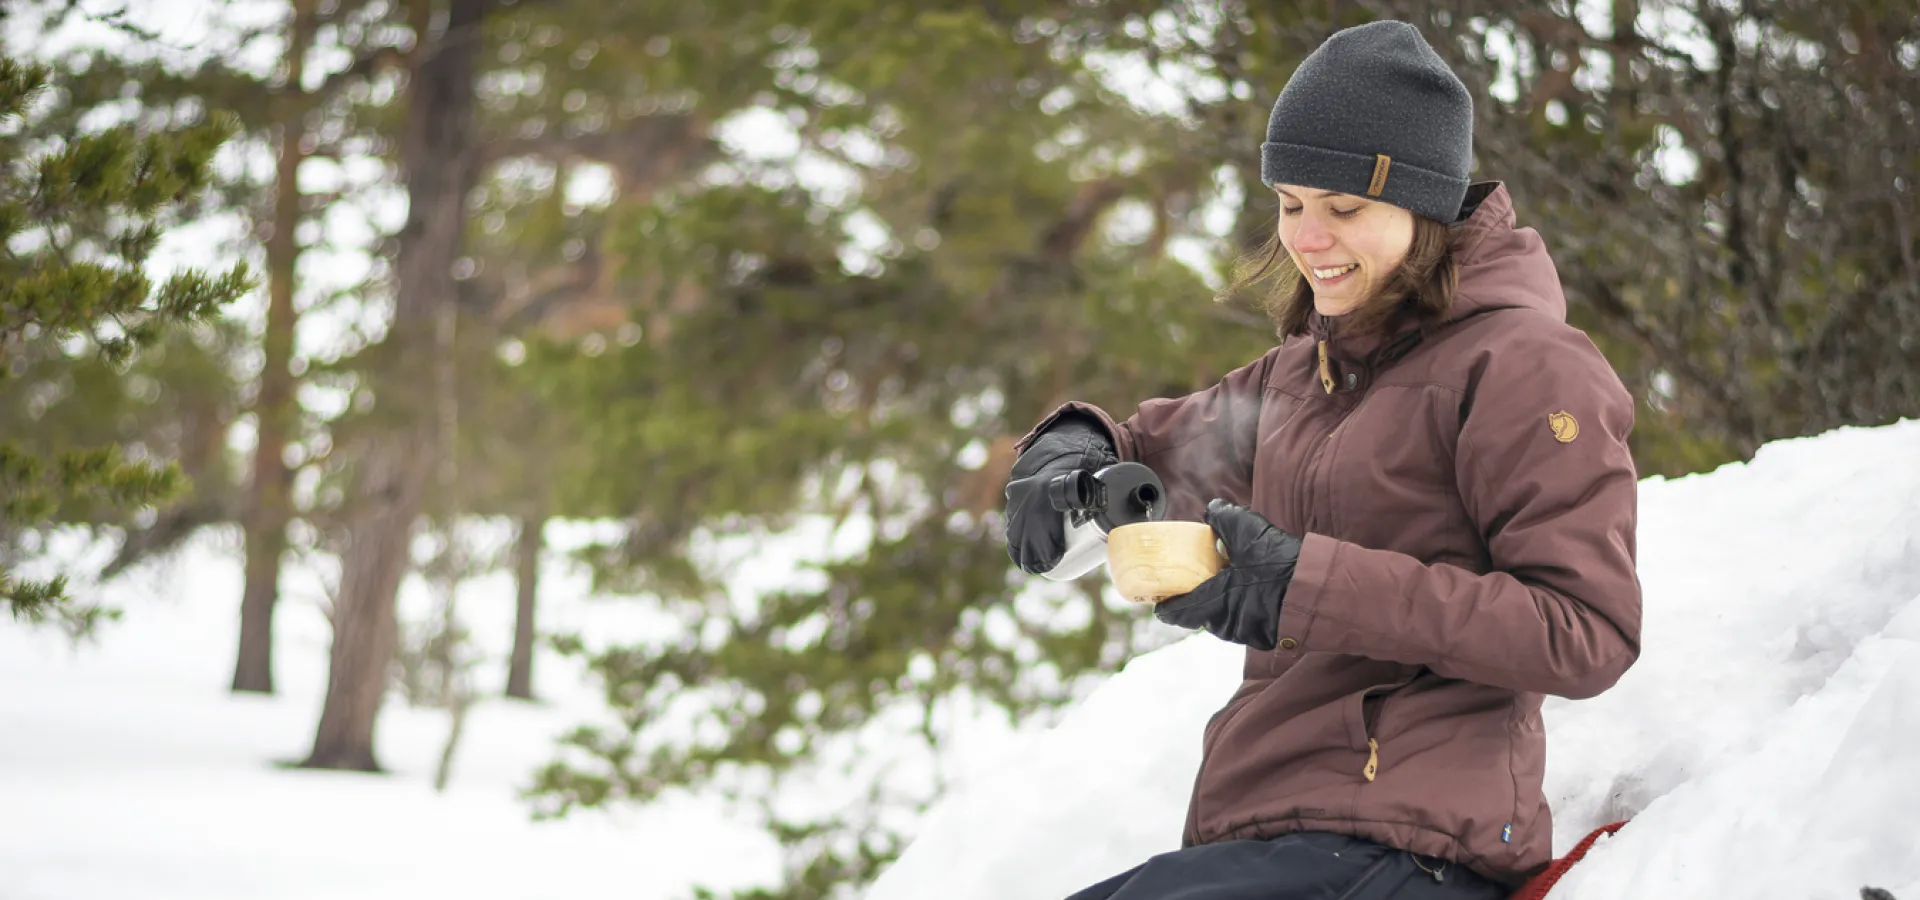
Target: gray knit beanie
x=1375 y=112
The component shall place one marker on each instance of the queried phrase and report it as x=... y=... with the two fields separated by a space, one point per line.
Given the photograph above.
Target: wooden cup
x=1151 y=561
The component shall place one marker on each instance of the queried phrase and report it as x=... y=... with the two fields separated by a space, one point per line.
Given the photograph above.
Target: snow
x=1767 y=744
x=128 y=770
x=1773 y=716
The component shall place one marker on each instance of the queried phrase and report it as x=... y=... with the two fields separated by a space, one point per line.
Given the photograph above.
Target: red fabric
x=1537 y=887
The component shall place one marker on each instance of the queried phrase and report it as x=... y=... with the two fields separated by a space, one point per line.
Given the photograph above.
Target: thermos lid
x=1120 y=494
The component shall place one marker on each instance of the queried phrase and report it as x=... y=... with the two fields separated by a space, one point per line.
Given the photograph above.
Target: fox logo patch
x=1565 y=427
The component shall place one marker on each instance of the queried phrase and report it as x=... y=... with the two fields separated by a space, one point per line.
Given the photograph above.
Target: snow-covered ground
x=1766 y=745
x=128 y=770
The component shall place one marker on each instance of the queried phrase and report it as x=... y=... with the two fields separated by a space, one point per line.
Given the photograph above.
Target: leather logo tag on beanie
x=1565 y=427
x=1381 y=163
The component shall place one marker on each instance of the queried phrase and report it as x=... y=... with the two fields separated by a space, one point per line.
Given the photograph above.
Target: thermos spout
x=1095 y=503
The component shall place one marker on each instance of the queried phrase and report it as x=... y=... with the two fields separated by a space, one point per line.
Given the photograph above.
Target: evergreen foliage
x=81 y=211
x=735 y=267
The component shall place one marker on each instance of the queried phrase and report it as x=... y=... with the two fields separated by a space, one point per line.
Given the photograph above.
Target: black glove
x=1036 y=532
x=1241 y=602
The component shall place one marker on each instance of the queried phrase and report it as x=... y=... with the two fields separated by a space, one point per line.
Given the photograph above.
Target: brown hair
x=1422 y=286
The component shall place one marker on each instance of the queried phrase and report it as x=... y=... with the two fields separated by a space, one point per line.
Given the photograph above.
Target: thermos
x=1095 y=503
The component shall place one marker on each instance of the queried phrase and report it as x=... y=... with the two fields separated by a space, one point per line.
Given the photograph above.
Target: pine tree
x=80 y=213
x=393 y=457
x=759 y=369
x=315 y=111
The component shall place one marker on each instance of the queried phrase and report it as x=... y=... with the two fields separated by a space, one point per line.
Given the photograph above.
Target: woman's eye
x=1291 y=210
x=1347 y=213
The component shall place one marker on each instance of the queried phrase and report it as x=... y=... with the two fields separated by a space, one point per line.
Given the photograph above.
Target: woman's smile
x=1331 y=276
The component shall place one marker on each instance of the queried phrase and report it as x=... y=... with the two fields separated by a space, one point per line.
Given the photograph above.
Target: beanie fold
x=1423 y=191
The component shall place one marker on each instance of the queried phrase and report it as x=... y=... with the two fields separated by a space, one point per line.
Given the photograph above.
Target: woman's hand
x=1240 y=603
x=1036 y=532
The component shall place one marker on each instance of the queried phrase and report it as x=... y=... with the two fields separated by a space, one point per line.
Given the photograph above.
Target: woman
x=1427 y=500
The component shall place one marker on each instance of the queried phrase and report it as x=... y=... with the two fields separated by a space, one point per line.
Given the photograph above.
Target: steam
x=1205 y=450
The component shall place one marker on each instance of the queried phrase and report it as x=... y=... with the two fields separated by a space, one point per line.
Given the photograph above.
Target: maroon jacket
x=1468 y=504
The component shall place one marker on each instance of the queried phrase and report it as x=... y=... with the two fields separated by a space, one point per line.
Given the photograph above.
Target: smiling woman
x=1426 y=503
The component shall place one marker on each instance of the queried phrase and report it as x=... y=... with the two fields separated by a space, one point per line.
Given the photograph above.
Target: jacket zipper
x=1307 y=476
x=1302 y=481
x=1303 y=474
x=1371 y=770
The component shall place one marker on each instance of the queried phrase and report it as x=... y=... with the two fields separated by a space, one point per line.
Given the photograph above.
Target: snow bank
x=1766 y=745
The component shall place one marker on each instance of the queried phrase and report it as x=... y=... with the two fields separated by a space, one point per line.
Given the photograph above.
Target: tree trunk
x=443 y=773
x=364 y=627
x=393 y=465
x=454 y=690
x=526 y=569
x=270 y=500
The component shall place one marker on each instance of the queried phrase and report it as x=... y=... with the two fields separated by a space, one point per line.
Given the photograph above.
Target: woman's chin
x=1338 y=305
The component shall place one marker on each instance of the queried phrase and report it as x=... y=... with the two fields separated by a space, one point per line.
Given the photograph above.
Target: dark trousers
x=1305 y=866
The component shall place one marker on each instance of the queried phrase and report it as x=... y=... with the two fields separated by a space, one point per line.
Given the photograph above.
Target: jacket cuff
x=1302 y=605
x=1123 y=448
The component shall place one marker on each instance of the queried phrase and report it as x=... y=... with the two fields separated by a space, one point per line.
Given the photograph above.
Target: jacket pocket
x=1209 y=738
x=1363 y=711
x=1214 y=724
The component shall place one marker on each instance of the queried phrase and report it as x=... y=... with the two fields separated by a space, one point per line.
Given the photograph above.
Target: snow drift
x=1767 y=744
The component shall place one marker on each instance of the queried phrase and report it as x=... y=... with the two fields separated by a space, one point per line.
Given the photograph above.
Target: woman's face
x=1345 y=246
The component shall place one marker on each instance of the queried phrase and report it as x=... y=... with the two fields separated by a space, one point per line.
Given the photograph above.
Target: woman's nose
x=1312 y=236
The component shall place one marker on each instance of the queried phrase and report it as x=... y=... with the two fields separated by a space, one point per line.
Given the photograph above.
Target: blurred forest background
x=702 y=268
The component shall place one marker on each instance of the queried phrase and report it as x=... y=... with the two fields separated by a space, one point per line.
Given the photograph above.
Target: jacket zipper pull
x=1373 y=759
x=1326 y=371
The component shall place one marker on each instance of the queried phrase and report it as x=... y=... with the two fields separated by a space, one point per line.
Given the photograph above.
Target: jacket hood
x=1500 y=266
